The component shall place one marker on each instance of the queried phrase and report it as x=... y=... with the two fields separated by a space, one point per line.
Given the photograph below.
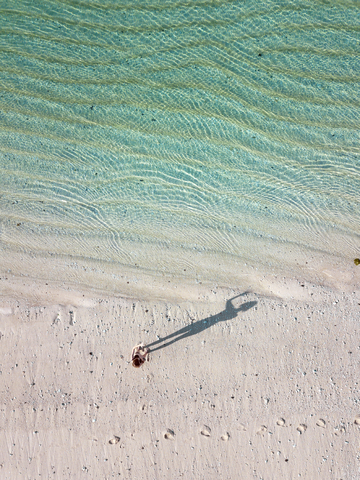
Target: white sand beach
x=264 y=387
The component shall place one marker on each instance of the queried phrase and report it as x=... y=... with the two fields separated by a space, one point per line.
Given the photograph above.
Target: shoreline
x=19 y=272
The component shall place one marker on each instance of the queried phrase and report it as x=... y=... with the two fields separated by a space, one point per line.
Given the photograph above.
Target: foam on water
x=198 y=140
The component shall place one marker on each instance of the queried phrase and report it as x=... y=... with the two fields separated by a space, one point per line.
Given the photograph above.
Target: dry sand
x=270 y=392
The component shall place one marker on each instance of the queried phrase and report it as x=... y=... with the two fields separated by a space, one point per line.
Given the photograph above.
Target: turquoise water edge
x=197 y=140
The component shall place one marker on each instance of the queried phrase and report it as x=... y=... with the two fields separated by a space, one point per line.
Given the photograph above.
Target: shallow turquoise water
x=179 y=137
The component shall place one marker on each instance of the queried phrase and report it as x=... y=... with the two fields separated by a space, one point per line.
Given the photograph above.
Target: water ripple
x=172 y=138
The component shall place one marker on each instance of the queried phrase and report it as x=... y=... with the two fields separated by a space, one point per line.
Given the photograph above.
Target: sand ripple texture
x=195 y=139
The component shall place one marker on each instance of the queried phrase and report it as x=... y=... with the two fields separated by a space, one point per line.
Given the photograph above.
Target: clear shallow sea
x=196 y=140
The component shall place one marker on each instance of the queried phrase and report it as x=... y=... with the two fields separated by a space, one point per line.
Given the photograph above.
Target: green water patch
x=168 y=136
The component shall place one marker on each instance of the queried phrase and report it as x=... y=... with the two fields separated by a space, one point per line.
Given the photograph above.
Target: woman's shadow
x=197 y=327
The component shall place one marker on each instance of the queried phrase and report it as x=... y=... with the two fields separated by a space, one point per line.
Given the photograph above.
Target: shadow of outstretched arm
x=201 y=325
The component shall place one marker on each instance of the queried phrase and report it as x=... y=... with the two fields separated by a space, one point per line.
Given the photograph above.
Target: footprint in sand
x=321 y=423
x=206 y=431
x=301 y=428
x=225 y=437
x=281 y=422
x=242 y=427
x=114 y=440
x=169 y=434
x=262 y=430
x=339 y=430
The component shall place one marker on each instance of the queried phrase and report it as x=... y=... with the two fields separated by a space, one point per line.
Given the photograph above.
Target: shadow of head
x=246 y=306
